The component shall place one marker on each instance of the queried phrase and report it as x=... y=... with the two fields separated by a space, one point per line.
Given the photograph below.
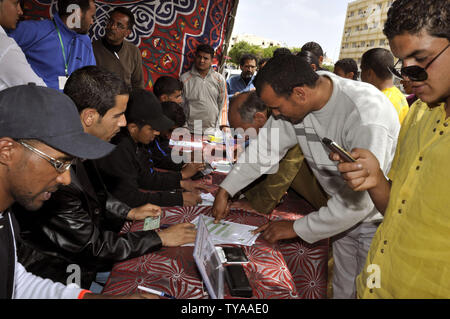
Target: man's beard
x=29 y=201
x=246 y=76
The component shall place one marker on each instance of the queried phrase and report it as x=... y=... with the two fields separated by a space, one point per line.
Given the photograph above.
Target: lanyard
x=66 y=65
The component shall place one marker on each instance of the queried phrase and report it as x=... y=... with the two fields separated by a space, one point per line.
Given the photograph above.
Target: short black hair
x=413 y=16
x=166 y=85
x=205 y=48
x=348 y=65
x=64 y=4
x=261 y=62
x=94 y=87
x=127 y=12
x=280 y=51
x=309 y=57
x=249 y=107
x=247 y=56
x=285 y=72
x=174 y=112
x=380 y=61
x=313 y=47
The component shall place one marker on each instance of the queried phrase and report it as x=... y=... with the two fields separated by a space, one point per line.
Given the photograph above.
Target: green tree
x=243 y=47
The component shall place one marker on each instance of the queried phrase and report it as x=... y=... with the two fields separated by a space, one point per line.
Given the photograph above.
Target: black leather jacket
x=79 y=225
x=127 y=171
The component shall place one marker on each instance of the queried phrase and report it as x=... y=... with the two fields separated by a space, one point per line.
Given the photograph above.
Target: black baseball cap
x=47 y=115
x=144 y=107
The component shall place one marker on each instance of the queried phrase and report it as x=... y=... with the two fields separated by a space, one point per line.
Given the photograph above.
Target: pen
x=156 y=292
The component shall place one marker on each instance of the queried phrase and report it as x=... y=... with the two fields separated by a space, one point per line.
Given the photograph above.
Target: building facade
x=254 y=40
x=363 y=28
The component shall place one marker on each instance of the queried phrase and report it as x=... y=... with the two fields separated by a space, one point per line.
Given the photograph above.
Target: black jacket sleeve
x=126 y=175
x=65 y=227
x=160 y=152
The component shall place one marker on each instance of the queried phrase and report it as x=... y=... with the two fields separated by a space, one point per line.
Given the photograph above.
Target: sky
x=294 y=22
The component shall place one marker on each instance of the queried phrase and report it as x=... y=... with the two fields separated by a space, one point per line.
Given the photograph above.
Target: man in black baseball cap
x=144 y=107
x=45 y=126
x=40 y=135
x=128 y=169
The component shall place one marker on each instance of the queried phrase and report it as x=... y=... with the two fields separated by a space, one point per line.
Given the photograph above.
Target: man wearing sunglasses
x=115 y=54
x=37 y=147
x=411 y=247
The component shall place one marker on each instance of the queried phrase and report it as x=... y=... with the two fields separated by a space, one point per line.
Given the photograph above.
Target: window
x=382 y=42
x=372 y=43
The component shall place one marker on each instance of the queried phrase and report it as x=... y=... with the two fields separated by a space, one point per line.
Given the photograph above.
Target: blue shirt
x=39 y=41
x=237 y=84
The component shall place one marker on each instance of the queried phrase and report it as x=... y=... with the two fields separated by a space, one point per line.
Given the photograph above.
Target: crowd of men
x=82 y=144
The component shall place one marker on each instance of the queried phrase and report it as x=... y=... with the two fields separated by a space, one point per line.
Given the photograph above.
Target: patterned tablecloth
x=287 y=269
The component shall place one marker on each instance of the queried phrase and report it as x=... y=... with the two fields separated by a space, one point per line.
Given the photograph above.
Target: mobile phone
x=208 y=170
x=237 y=281
x=333 y=146
x=232 y=255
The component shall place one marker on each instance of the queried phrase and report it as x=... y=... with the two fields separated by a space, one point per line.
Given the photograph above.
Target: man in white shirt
x=14 y=67
x=306 y=107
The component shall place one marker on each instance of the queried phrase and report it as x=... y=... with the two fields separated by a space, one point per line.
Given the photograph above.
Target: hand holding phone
x=334 y=147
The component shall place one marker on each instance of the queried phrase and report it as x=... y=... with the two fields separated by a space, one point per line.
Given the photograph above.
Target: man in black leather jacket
x=80 y=223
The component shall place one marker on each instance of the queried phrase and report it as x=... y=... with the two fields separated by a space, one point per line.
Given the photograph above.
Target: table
x=291 y=269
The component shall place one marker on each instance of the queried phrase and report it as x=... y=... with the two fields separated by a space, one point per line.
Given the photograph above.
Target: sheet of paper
x=227 y=232
x=186 y=144
x=207 y=199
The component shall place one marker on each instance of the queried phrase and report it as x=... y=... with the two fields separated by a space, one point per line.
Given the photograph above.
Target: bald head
x=246 y=110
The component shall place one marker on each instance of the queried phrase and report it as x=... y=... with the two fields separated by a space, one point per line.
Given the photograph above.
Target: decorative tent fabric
x=166 y=31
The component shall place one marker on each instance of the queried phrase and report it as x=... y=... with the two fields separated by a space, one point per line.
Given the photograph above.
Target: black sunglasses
x=414 y=73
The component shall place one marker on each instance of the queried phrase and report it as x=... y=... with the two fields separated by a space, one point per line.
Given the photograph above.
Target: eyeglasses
x=60 y=166
x=414 y=73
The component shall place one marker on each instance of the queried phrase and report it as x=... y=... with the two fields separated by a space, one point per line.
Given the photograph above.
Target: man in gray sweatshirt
x=306 y=107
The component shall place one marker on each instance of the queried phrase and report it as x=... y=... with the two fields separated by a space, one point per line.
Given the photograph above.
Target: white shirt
x=14 y=67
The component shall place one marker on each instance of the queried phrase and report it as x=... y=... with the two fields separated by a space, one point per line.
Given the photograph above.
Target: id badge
x=62 y=82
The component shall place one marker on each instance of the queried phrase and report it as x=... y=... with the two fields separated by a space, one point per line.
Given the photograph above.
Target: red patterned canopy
x=166 y=31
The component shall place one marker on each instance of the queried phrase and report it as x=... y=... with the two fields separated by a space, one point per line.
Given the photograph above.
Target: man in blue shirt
x=244 y=81
x=57 y=47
